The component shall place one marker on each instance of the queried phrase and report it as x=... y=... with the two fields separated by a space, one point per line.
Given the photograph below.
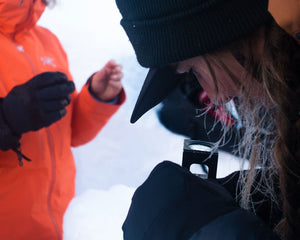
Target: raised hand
x=106 y=83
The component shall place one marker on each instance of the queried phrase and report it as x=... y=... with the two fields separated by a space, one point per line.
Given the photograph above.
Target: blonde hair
x=272 y=124
x=281 y=77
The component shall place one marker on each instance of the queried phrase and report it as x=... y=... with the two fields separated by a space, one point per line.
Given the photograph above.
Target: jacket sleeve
x=238 y=224
x=263 y=205
x=90 y=115
x=174 y=204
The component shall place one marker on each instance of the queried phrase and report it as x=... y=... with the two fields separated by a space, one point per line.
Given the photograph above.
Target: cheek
x=229 y=80
x=225 y=83
x=226 y=88
x=208 y=87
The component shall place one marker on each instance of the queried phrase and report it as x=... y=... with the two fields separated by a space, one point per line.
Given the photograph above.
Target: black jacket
x=173 y=204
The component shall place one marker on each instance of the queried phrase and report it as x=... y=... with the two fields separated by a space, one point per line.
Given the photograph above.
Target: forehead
x=225 y=56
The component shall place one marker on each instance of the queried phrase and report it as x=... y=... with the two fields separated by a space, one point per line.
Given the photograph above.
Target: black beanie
x=168 y=31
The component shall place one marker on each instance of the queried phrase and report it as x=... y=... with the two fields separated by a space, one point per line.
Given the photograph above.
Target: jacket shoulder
x=47 y=36
x=238 y=224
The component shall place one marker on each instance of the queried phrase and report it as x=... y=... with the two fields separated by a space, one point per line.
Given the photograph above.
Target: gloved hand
x=37 y=103
x=7 y=139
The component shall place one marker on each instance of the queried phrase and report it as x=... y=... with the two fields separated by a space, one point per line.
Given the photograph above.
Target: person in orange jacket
x=287 y=15
x=41 y=117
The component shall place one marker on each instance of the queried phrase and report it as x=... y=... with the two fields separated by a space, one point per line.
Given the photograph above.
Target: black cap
x=159 y=83
x=167 y=32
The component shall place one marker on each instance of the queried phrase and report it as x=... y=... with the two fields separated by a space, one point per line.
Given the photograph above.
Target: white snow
x=119 y=159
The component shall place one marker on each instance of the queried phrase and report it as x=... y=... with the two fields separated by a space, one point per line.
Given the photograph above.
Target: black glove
x=7 y=139
x=37 y=103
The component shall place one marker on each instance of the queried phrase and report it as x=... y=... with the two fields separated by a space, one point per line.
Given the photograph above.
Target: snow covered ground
x=119 y=159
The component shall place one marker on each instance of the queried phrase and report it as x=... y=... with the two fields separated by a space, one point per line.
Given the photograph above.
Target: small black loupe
x=200 y=152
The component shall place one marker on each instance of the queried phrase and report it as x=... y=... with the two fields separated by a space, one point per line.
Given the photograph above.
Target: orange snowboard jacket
x=33 y=198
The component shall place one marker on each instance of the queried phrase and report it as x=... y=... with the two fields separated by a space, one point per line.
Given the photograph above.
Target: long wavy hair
x=281 y=79
x=272 y=123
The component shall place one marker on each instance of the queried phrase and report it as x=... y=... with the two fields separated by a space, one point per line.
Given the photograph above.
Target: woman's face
x=227 y=88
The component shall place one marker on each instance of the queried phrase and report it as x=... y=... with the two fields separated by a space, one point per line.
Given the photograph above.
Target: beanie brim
x=159 y=83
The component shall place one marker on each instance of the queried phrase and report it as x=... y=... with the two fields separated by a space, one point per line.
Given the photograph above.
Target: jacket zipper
x=52 y=182
x=21 y=49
